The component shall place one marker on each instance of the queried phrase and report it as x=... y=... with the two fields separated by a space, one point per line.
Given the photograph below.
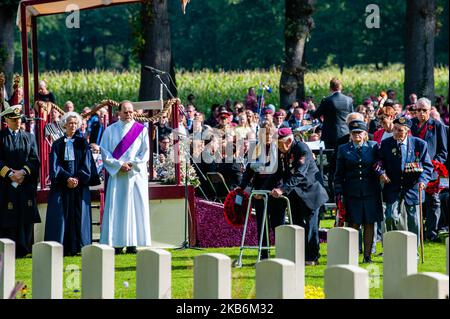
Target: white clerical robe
x=126 y=219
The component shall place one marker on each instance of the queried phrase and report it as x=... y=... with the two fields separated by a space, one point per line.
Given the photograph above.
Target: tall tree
x=8 y=10
x=298 y=25
x=157 y=47
x=419 y=48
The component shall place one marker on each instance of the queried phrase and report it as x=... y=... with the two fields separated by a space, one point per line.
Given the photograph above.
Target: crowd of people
x=382 y=154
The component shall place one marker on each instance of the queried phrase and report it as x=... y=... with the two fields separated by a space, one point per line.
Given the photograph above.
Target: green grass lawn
x=243 y=282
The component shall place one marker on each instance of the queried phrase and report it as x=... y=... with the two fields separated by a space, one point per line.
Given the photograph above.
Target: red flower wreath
x=433 y=186
x=235 y=214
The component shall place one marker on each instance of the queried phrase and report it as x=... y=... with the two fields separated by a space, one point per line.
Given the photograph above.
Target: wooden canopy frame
x=28 y=12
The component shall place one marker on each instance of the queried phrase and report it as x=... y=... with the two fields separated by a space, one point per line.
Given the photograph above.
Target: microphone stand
x=185 y=244
x=164 y=84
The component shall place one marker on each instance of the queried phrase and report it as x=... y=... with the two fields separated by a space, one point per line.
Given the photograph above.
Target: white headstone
x=8 y=270
x=346 y=282
x=97 y=272
x=342 y=246
x=212 y=276
x=290 y=245
x=426 y=285
x=399 y=261
x=274 y=279
x=47 y=273
x=153 y=274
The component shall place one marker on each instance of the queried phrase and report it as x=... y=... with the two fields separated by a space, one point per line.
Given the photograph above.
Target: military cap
x=403 y=121
x=357 y=126
x=12 y=112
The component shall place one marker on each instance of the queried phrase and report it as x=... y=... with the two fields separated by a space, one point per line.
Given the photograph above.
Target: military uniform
x=18 y=207
x=302 y=183
x=357 y=181
x=433 y=132
x=406 y=164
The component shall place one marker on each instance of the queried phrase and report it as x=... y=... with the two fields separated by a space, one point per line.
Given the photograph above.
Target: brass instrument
x=304 y=132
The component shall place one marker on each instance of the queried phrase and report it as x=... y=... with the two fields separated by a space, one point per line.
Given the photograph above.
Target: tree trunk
x=172 y=86
x=7 y=19
x=298 y=25
x=419 y=48
x=157 y=48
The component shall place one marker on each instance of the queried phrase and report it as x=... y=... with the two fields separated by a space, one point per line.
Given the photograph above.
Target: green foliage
x=231 y=35
x=87 y=88
x=104 y=40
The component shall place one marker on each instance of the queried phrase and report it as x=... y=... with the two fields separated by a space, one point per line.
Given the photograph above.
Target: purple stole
x=128 y=140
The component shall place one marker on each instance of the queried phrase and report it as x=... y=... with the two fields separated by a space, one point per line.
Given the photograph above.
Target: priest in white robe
x=125 y=152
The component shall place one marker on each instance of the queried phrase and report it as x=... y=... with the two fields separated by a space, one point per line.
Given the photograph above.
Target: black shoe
x=131 y=250
x=118 y=250
x=367 y=260
x=380 y=255
x=264 y=255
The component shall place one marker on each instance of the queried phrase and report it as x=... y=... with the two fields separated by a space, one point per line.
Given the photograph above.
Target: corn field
x=87 y=88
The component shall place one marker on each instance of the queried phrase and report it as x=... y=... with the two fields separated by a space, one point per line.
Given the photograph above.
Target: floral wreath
x=433 y=187
x=235 y=214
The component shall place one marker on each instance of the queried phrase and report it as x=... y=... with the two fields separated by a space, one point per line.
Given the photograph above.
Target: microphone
x=152 y=69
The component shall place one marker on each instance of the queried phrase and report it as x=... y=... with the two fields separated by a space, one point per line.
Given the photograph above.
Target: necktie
x=14 y=136
x=359 y=151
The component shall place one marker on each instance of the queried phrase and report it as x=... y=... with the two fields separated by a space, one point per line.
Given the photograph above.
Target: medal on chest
x=291 y=160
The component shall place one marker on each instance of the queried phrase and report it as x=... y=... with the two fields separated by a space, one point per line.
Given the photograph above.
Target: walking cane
x=421 y=224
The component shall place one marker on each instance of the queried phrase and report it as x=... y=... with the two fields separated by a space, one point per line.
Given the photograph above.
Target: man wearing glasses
x=405 y=169
x=432 y=132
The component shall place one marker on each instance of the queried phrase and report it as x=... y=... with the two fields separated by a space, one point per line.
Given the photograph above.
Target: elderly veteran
x=19 y=171
x=300 y=180
x=357 y=182
x=433 y=132
x=405 y=168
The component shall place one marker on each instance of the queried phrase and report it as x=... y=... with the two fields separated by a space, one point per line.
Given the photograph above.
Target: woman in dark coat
x=356 y=181
x=68 y=219
x=263 y=177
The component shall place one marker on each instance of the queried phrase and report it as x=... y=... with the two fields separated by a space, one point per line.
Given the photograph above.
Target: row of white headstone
x=282 y=277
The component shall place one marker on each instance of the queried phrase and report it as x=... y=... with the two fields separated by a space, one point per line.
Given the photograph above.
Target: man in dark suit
x=19 y=171
x=405 y=169
x=334 y=110
x=301 y=182
x=278 y=120
x=297 y=118
x=432 y=132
